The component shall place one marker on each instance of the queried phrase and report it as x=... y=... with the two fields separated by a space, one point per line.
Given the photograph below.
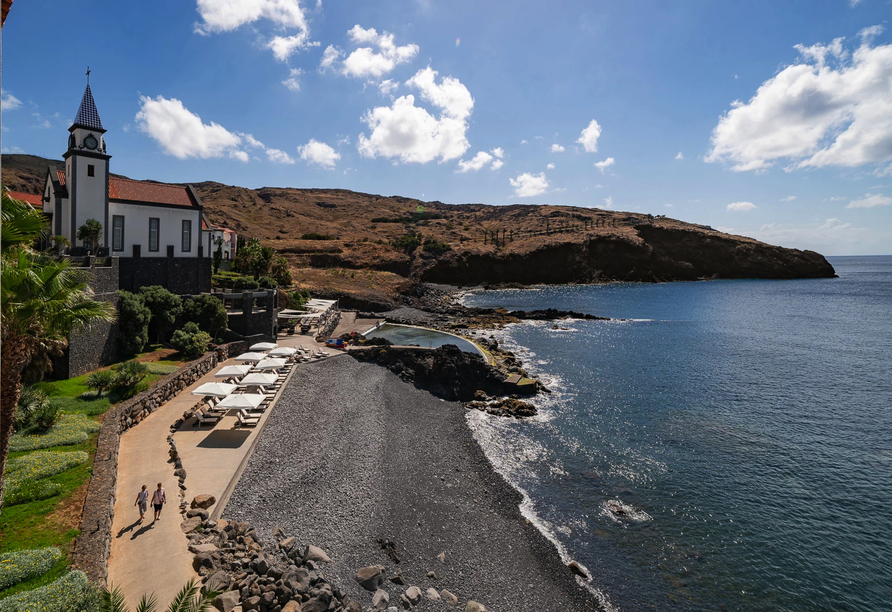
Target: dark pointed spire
x=87 y=115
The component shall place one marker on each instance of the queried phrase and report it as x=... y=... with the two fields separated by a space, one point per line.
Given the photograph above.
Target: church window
x=187 y=235
x=91 y=170
x=154 y=229
x=117 y=232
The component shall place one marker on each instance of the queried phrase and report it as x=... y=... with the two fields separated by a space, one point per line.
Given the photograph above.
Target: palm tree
x=41 y=300
x=187 y=600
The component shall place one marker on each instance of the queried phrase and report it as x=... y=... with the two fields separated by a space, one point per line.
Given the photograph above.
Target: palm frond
x=203 y=602
x=180 y=603
x=147 y=604
x=22 y=224
x=113 y=600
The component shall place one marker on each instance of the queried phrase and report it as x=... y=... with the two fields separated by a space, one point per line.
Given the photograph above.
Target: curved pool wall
x=404 y=335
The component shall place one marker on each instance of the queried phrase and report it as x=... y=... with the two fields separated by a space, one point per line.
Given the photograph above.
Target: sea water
x=727 y=445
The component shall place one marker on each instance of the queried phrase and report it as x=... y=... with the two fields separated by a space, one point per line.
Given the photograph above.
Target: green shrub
x=191 y=341
x=244 y=282
x=207 y=312
x=71 y=429
x=100 y=381
x=41 y=464
x=34 y=411
x=129 y=374
x=21 y=565
x=266 y=282
x=407 y=243
x=67 y=594
x=133 y=323
x=435 y=246
x=282 y=272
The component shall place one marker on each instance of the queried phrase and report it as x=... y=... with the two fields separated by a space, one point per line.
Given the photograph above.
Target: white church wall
x=90 y=202
x=136 y=229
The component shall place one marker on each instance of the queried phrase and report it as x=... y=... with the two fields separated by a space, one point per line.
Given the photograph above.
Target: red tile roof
x=61 y=174
x=141 y=191
x=32 y=199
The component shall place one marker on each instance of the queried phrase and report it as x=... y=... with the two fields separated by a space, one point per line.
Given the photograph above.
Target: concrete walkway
x=153 y=557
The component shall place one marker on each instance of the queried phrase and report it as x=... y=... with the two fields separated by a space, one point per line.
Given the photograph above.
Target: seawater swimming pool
x=404 y=335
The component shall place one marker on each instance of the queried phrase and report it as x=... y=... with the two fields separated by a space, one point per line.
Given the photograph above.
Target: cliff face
x=658 y=254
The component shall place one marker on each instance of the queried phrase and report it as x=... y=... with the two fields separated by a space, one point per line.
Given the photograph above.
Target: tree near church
x=89 y=234
x=40 y=299
x=218 y=255
x=165 y=308
x=254 y=258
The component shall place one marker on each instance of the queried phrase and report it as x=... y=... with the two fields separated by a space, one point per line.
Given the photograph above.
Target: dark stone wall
x=179 y=275
x=246 y=320
x=96 y=345
x=93 y=545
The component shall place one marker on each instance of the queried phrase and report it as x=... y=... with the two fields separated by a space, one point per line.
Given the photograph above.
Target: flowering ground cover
x=67 y=594
x=23 y=482
x=71 y=429
x=21 y=565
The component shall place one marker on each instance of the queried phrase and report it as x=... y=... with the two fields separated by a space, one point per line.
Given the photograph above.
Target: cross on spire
x=88 y=75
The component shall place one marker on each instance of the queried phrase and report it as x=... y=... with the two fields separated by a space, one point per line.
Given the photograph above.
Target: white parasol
x=215 y=389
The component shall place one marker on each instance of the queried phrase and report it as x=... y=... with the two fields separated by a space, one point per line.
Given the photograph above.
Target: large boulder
x=473 y=606
x=449 y=598
x=413 y=594
x=380 y=599
x=218 y=582
x=203 y=501
x=292 y=606
x=314 y=553
x=225 y=602
x=371 y=577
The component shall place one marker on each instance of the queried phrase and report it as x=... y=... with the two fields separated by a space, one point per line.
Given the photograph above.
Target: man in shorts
x=159 y=498
x=142 y=500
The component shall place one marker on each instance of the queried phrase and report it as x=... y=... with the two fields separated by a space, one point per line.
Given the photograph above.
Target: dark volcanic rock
x=656 y=254
x=447 y=371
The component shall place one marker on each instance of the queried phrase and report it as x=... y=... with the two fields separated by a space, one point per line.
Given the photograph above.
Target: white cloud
x=279 y=157
x=668 y=205
x=527 y=185
x=550 y=167
x=410 y=133
x=330 y=57
x=319 y=153
x=724 y=229
x=871 y=200
x=493 y=158
x=589 y=137
x=679 y=156
x=603 y=165
x=556 y=148
x=475 y=163
x=830 y=108
x=9 y=102
x=373 y=61
x=524 y=141
x=741 y=206
x=293 y=80
x=854 y=3
x=13 y=150
x=387 y=87
x=228 y=15
x=182 y=133
x=788 y=199
x=608 y=202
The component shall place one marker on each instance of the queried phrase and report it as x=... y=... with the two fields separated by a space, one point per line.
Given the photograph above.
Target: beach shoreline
x=353 y=455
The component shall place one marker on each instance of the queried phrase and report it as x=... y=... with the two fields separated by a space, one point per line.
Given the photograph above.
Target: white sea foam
x=623 y=513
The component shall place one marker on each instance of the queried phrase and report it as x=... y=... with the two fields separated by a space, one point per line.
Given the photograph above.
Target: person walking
x=159 y=498
x=142 y=500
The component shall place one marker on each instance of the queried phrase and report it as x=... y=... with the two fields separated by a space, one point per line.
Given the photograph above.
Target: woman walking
x=142 y=500
x=159 y=498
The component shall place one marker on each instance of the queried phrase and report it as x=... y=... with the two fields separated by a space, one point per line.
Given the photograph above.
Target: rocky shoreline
x=377 y=473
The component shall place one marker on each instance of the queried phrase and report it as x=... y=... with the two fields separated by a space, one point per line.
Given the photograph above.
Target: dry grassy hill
x=365 y=248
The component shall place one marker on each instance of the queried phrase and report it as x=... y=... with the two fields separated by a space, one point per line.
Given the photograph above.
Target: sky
x=767 y=119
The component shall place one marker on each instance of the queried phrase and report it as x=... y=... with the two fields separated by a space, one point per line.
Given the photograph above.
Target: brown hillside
x=472 y=243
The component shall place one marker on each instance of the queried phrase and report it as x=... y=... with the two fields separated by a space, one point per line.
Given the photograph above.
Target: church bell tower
x=86 y=169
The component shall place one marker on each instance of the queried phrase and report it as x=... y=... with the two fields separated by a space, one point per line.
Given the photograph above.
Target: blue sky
x=768 y=119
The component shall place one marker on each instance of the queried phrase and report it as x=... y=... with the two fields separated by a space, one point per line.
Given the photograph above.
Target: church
x=139 y=219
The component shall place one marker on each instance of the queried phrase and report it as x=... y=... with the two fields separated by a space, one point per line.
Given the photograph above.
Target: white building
x=214 y=235
x=139 y=218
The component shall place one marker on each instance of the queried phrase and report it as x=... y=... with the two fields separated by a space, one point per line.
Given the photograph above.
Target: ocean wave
x=623 y=513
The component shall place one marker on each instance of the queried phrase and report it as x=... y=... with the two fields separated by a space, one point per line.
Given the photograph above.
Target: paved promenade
x=153 y=557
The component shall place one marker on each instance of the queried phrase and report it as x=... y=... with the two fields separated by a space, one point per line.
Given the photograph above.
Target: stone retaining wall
x=93 y=545
x=330 y=325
